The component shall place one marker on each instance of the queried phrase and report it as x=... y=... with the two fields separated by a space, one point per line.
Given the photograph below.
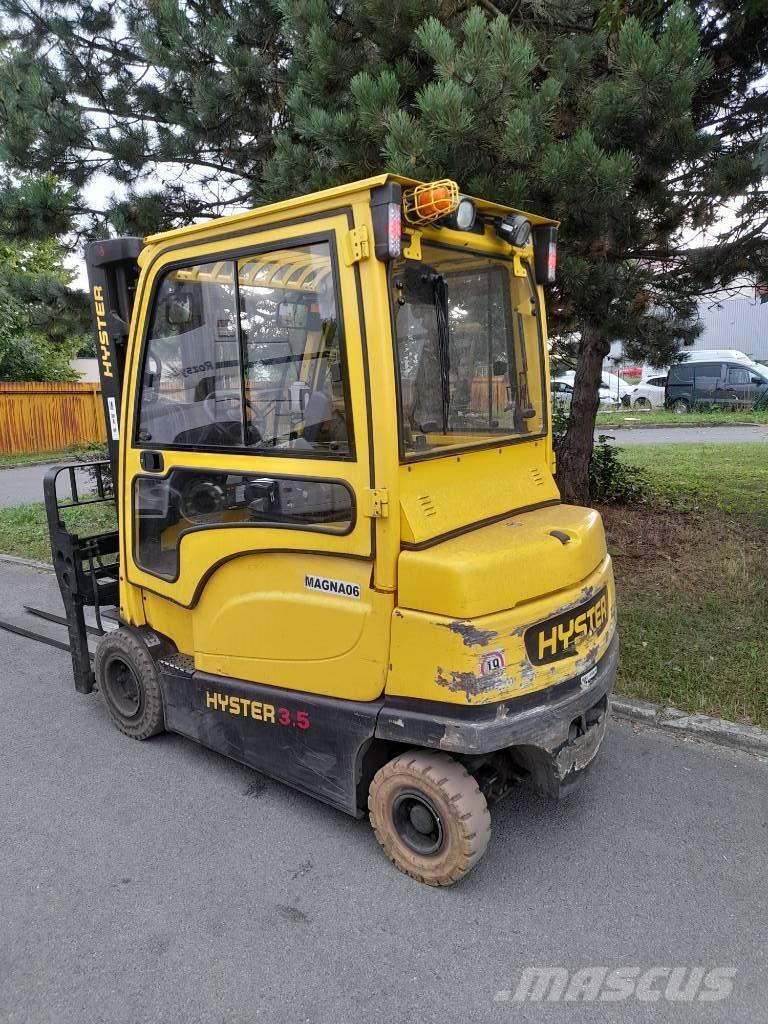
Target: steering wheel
x=231 y=395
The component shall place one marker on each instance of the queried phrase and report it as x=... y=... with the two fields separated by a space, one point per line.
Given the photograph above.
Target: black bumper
x=542 y=720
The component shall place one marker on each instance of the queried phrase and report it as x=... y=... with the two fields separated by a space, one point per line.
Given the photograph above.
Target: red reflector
x=552 y=261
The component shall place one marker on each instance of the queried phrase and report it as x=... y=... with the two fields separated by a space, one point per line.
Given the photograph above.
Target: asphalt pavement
x=21 y=484
x=685 y=435
x=160 y=882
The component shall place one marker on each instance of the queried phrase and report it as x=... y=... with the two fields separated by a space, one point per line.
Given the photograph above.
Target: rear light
x=545 y=253
x=394 y=230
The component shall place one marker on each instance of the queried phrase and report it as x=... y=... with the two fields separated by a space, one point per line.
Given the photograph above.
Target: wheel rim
x=417 y=823
x=122 y=688
x=680 y=407
x=642 y=403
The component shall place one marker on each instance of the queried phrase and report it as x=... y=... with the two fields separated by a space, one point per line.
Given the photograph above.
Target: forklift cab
x=341 y=540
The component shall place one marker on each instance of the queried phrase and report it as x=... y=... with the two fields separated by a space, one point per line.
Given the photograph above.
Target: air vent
x=537 y=476
x=427 y=505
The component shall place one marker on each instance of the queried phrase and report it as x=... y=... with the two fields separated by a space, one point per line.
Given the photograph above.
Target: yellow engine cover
x=526 y=556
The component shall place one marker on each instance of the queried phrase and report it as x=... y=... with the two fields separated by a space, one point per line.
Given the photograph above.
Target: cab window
x=468 y=351
x=248 y=354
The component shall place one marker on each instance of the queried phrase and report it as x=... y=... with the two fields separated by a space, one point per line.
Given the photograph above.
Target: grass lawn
x=24 y=528
x=663 y=417
x=692 y=477
x=61 y=455
x=692 y=578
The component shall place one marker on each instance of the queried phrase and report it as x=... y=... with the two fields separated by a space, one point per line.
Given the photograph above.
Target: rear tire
x=127 y=677
x=642 y=403
x=429 y=816
x=681 y=406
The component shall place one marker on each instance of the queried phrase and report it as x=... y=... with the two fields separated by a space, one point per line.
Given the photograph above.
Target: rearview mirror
x=178 y=309
x=293 y=315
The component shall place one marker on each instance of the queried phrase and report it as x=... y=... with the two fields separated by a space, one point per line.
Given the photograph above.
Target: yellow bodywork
x=453 y=556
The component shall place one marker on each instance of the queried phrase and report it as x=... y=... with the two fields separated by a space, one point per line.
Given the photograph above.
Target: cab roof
x=322 y=197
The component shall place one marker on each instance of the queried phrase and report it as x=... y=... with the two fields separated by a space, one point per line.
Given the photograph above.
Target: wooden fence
x=46 y=417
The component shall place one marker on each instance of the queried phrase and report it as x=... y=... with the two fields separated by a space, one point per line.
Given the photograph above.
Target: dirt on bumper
x=556 y=734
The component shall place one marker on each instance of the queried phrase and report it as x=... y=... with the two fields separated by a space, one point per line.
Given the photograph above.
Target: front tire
x=128 y=679
x=429 y=816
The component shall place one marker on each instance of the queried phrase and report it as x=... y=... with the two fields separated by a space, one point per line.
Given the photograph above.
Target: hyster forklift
x=342 y=558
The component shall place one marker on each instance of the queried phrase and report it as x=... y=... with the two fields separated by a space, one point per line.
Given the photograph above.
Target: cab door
x=249 y=463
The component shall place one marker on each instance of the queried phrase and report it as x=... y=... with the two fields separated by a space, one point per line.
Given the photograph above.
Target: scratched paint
x=469 y=633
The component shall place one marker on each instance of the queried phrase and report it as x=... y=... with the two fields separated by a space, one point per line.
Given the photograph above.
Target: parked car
x=724 y=383
x=562 y=392
x=648 y=394
x=731 y=355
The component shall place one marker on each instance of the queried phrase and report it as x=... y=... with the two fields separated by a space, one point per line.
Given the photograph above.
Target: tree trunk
x=575 y=455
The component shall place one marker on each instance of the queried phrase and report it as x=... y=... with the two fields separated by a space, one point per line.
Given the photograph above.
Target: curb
x=30 y=563
x=698 y=727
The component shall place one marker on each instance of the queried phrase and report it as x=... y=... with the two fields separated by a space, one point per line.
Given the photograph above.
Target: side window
x=188 y=499
x=248 y=354
x=190 y=386
x=707 y=377
x=737 y=375
x=295 y=387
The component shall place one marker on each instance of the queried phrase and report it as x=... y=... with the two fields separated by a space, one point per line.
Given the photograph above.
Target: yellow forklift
x=342 y=558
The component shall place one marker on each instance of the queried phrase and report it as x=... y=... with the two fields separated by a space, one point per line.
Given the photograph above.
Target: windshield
x=468 y=349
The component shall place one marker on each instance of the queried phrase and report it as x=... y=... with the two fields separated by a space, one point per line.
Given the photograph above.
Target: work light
x=463 y=217
x=515 y=229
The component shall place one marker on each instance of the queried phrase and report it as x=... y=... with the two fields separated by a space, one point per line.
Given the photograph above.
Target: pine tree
x=635 y=122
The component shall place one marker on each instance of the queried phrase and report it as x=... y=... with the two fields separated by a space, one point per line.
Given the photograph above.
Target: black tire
x=127 y=677
x=681 y=405
x=642 y=403
x=429 y=816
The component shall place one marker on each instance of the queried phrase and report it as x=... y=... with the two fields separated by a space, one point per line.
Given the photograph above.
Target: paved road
x=21 y=484
x=159 y=882
x=684 y=435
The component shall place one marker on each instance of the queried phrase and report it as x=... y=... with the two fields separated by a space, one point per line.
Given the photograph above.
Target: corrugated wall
x=46 y=417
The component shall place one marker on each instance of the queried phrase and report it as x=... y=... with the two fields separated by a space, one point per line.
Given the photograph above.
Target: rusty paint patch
x=469 y=684
x=469 y=633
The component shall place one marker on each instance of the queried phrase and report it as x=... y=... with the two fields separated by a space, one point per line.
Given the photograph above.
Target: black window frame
x=256 y=524
x=502 y=441
x=236 y=255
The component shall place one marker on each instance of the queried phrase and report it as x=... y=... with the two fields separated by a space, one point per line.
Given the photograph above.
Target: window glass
x=657 y=382
x=294 y=374
x=707 y=377
x=271 y=378
x=468 y=350
x=737 y=375
x=190 y=390
x=187 y=499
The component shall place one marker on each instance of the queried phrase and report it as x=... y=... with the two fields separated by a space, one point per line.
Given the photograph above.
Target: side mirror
x=293 y=315
x=178 y=309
